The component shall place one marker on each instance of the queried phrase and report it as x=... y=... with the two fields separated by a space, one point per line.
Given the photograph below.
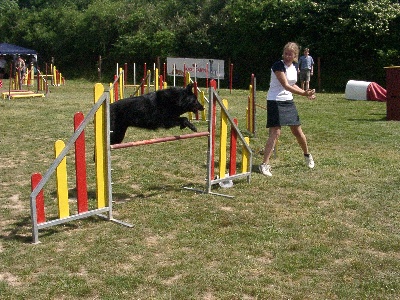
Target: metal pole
x=108 y=155
x=210 y=139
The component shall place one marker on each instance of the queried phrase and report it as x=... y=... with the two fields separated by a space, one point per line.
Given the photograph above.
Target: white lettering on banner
x=200 y=68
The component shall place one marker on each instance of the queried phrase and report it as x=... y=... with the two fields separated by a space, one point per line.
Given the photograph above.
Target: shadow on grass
x=21 y=230
x=383 y=118
x=119 y=197
x=368 y=120
x=151 y=192
x=18 y=231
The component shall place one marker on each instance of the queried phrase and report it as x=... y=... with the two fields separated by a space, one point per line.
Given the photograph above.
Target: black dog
x=160 y=109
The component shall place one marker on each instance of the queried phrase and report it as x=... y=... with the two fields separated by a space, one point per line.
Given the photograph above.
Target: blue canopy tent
x=14 y=51
x=9 y=49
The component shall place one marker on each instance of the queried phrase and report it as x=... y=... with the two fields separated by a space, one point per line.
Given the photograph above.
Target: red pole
x=213 y=84
x=144 y=78
x=40 y=214
x=161 y=80
x=249 y=113
x=207 y=76
x=233 y=144
x=80 y=166
x=165 y=71
x=213 y=131
x=196 y=94
x=160 y=140
x=142 y=86
x=184 y=75
x=115 y=88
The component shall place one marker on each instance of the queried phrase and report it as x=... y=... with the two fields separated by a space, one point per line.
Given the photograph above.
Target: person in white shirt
x=281 y=110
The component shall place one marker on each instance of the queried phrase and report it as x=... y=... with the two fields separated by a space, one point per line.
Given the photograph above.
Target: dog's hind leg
x=117 y=135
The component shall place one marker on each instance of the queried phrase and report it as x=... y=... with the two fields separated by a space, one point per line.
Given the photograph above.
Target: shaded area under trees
x=354 y=39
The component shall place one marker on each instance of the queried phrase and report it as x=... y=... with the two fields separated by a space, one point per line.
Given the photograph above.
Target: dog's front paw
x=192 y=127
x=186 y=123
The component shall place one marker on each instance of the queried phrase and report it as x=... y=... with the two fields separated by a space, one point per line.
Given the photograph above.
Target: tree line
x=351 y=39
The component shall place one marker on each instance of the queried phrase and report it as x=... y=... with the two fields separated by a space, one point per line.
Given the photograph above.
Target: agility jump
x=225 y=121
x=100 y=114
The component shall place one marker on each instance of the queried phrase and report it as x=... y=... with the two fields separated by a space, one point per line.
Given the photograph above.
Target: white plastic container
x=356 y=90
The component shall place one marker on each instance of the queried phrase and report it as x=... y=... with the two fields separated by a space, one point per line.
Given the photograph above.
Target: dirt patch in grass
x=10 y=279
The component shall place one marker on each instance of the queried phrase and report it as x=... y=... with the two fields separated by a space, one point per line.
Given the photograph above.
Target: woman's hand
x=310 y=94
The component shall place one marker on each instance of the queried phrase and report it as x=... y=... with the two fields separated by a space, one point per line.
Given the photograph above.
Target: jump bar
x=160 y=140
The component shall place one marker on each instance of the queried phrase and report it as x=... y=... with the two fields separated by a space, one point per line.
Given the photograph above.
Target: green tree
x=354 y=39
x=9 y=12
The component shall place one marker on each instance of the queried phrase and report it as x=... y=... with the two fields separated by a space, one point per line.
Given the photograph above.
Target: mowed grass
x=328 y=233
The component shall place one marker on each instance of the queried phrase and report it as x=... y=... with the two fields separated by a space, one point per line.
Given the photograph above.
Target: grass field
x=328 y=233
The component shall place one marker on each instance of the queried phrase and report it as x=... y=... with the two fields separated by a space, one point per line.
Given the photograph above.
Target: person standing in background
x=306 y=69
x=20 y=65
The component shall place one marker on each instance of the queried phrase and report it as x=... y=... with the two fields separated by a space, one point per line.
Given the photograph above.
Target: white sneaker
x=265 y=169
x=309 y=161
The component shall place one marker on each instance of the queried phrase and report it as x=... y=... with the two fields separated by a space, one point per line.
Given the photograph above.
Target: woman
x=281 y=110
